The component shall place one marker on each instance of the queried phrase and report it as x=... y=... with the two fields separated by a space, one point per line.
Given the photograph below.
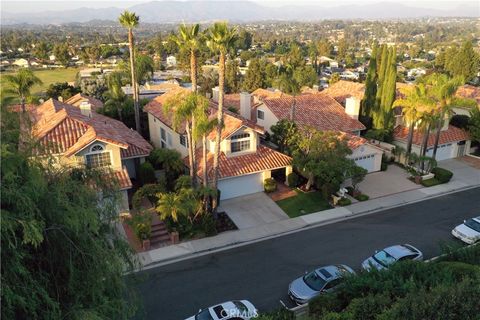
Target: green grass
x=303 y=203
x=47 y=76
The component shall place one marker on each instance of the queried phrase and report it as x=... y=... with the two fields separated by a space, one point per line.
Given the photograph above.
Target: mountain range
x=240 y=11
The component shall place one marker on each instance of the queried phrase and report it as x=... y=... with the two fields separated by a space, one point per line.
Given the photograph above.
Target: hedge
x=362 y=197
x=442 y=175
x=344 y=202
x=430 y=182
x=292 y=180
x=270 y=185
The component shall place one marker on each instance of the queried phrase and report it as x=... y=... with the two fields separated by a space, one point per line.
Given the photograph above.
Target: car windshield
x=240 y=306
x=314 y=281
x=384 y=258
x=204 y=315
x=472 y=224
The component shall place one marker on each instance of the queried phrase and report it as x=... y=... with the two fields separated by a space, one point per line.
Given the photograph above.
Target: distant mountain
x=240 y=11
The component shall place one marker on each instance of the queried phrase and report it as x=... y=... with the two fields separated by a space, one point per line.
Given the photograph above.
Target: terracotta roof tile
x=452 y=134
x=77 y=99
x=262 y=94
x=62 y=128
x=469 y=92
x=264 y=159
x=315 y=110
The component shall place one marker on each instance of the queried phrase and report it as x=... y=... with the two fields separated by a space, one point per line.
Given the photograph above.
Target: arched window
x=96 y=148
x=98 y=157
x=240 y=142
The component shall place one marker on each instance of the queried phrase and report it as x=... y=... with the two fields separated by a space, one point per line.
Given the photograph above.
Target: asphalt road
x=261 y=272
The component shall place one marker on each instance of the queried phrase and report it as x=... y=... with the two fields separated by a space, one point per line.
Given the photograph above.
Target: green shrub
x=442 y=175
x=344 y=202
x=292 y=180
x=430 y=182
x=149 y=191
x=208 y=225
x=141 y=224
x=147 y=173
x=325 y=303
x=362 y=197
x=270 y=185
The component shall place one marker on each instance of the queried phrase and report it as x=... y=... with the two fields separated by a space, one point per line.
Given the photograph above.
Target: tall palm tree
x=204 y=126
x=116 y=98
x=21 y=83
x=414 y=102
x=289 y=84
x=130 y=21
x=444 y=90
x=221 y=39
x=188 y=39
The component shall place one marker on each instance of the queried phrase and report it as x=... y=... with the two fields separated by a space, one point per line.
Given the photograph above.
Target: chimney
x=316 y=87
x=60 y=98
x=446 y=122
x=86 y=108
x=245 y=105
x=215 y=94
x=352 y=107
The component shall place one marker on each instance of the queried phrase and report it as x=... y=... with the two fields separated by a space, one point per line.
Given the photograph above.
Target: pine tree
x=370 y=84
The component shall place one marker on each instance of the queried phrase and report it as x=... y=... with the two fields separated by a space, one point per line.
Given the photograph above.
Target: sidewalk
x=230 y=239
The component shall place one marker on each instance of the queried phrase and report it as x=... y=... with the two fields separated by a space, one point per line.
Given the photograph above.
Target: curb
x=307 y=227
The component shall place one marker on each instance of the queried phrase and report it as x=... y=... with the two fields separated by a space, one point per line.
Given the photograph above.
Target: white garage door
x=444 y=151
x=367 y=162
x=240 y=186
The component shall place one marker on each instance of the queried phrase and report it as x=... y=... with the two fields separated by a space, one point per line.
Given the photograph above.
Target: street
x=261 y=272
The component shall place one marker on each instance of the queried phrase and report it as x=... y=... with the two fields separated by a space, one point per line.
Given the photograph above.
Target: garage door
x=240 y=186
x=367 y=162
x=444 y=151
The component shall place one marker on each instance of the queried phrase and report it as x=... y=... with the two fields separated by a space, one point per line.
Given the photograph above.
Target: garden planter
x=146 y=244
x=174 y=237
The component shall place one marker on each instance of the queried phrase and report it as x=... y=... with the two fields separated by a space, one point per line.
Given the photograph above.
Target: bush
x=142 y=225
x=344 y=202
x=362 y=197
x=292 y=180
x=147 y=173
x=270 y=185
x=149 y=191
x=384 y=166
x=430 y=182
x=442 y=175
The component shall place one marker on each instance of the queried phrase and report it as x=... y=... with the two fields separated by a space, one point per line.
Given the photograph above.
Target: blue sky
x=40 y=5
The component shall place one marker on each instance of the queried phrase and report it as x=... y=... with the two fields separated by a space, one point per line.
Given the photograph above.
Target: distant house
x=52 y=57
x=23 y=63
x=171 y=61
x=78 y=136
x=244 y=162
x=467 y=92
x=79 y=99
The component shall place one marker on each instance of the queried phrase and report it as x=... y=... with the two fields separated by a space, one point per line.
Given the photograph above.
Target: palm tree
x=289 y=84
x=414 y=102
x=444 y=90
x=130 y=21
x=188 y=39
x=116 y=98
x=172 y=205
x=221 y=39
x=21 y=83
x=204 y=126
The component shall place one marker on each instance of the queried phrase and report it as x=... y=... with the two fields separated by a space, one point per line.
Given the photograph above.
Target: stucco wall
x=154 y=126
x=269 y=118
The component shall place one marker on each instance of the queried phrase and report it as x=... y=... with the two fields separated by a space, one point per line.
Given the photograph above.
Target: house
x=171 y=61
x=78 y=136
x=244 y=163
x=467 y=92
x=80 y=99
x=323 y=113
x=23 y=63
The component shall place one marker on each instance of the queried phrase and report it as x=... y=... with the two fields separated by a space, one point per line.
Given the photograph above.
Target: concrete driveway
x=384 y=183
x=465 y=169
x=252 y=210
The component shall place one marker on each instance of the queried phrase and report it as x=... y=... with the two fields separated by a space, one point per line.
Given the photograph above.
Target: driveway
x=466 y=170
x=252 y=210
x=384 y=183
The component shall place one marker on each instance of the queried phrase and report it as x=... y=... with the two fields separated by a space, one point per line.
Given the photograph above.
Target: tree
x=474 y=125
x=41 y=50
x=188 y=39
x=334 y=78
x=288 y=83
x=116 y=98
x=61 y=89
x=130 y=20
x=321 y=156
x=221 y=39
x=285 y=136
x=174 y=205
x=93 y=53
x=342 y=48
x=60 y=51
x=463 y=62
x=368 y=100
x=356 y=174
x=21 y=83
x=306 y=76
x=232 y=77
x=386 y=84
x=254 y=77
x=61 y=255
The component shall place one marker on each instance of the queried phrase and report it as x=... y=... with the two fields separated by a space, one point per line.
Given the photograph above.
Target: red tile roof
x=452 y=134
x=469 y=92
x=62 y=129
x=264 y=159
x=121 y=179
x=315 y=110
x=353 y=141
x=262 y=94
x=77 y=99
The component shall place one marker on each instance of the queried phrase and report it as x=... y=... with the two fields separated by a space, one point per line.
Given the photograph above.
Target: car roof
x=329 y=272
x=399 y=251
x=477 y=219
x=217 y=309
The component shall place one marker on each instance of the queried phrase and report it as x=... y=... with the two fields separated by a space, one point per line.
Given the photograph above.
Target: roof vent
x=86 y=108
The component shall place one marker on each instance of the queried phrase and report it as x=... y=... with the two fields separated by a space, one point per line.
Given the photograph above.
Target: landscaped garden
x=303 y=203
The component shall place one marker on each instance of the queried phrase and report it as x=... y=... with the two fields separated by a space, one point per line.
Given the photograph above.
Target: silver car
x=388 y=256
x=321 y=280
x=236 y=309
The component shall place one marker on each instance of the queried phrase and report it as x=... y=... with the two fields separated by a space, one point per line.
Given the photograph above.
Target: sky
x=41 y=5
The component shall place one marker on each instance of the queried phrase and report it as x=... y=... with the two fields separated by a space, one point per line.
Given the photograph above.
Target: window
x=163 y=138
x=183 y=141
x=97 y=160
x=332 y=284
x=260 y=114
x=96 y=148
x=240 y=142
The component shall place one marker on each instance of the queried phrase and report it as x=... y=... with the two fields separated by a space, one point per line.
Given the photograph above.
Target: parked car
x=388 y=256
x=321 y=280
x=230 y=310
x=468 y=231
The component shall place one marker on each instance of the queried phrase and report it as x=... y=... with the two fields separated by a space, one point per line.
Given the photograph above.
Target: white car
x=230 y=310
x=468 y=231
x=388 y=256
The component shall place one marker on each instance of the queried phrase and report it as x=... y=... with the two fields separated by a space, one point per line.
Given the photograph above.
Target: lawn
x=48 y=77
x=303 y=203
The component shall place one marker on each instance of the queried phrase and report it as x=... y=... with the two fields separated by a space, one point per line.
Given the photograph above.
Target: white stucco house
x=171 y=61
x=244 y=162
